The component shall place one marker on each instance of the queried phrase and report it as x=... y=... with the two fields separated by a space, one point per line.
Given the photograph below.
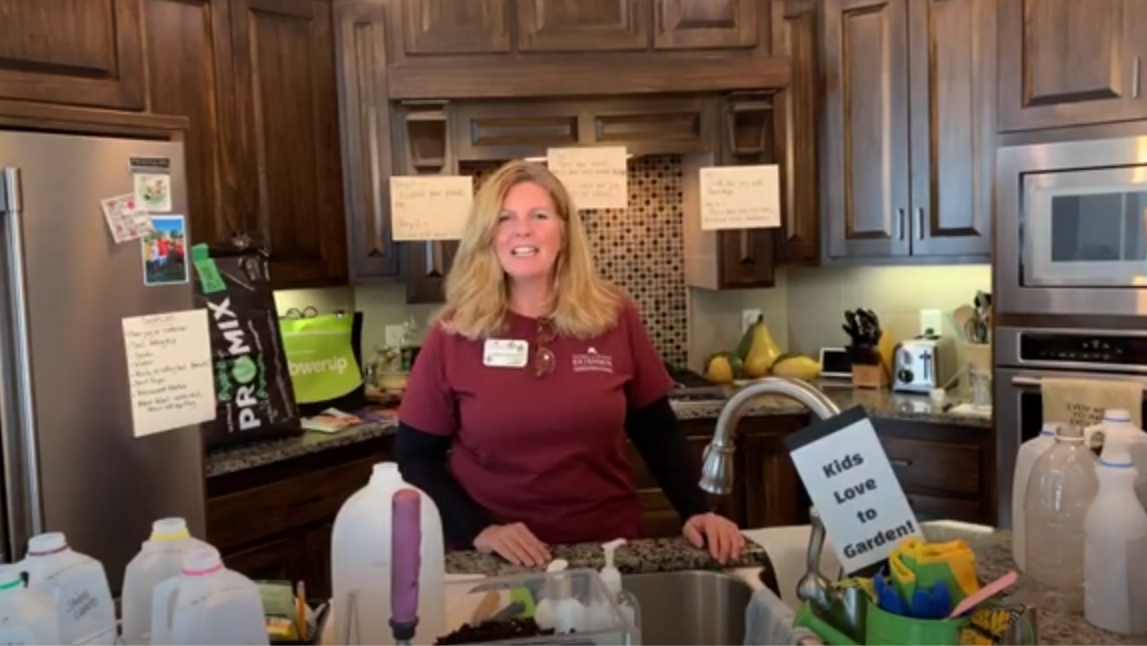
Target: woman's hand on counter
x=720 y=534
x=515 y=543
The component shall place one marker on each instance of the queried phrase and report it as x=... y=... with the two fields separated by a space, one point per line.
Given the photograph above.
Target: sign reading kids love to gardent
x=852 y=484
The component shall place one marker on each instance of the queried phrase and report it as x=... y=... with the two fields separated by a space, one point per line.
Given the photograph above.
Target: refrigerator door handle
x=17 y=411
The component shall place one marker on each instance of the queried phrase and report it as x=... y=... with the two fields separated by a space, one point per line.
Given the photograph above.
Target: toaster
x=923 y=364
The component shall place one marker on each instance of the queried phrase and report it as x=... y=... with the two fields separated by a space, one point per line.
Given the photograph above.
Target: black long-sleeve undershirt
x=653 y=430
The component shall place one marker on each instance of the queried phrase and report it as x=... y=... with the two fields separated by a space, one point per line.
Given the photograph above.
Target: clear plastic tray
x=471 y=605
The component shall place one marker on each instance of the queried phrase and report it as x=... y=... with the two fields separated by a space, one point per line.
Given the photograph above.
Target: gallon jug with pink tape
x=207 y=604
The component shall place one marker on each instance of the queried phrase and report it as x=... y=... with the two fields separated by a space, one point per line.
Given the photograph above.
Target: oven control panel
x=1082 y=347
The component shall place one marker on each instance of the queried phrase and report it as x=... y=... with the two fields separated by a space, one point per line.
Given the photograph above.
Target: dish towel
x=1081 y=402
x=769 y=622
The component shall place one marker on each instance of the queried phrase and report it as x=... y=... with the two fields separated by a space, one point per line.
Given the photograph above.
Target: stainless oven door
x=1018 y=408
x=1072 y=228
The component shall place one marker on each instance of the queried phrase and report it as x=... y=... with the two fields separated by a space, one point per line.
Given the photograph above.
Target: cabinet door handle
x=900 y=462
x=920 y=223
x=902 y=224
x=1136 y=65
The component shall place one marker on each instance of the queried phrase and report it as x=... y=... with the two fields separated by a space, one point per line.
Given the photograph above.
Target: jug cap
x=1117 y=415
x=169 y=529
x=201 y=561
x=11 y=576
x=1116 y=452
x=47 y=543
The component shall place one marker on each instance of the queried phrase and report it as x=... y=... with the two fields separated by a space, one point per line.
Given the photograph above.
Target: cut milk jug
x=207 y=604
x=1118 y=421
x=360 y=572
x=1028 y=454
x=27 y=615
x=79 y=585
x=1115 y=547
x=160 y=559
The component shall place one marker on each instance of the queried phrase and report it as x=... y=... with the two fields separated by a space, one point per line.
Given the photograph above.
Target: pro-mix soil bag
x=253 y=395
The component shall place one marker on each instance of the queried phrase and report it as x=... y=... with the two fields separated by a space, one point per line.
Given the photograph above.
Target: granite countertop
x=257 y=454
x=635 y=557
x=992 y=548
x=994 y=559
x=878 y=403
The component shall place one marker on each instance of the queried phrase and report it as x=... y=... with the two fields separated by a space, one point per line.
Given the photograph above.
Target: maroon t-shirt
x=546 y=451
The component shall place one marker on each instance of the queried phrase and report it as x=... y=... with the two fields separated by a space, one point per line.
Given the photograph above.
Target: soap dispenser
x=559 y=609
x=611 y=577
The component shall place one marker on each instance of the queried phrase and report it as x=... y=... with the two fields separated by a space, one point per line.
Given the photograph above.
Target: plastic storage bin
x=577 y=598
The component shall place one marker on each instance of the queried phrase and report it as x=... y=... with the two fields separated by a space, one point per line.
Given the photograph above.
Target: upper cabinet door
x=1068 y=63
x=291 y=180
x=453 y=27
x=707 y=24
x=74 y=52
x=582 y=25
x=952 y=116
x=865 y=166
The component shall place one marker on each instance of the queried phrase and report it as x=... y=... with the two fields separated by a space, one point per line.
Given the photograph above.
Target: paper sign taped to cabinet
x=169 y=370
x=431 y=207
x=597 y=178
x=740 y=197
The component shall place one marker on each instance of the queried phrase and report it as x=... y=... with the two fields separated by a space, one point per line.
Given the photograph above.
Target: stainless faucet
x=717 y=472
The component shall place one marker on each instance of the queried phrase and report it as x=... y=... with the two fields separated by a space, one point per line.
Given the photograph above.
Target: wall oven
x=1071 y=228
x=1024 y=357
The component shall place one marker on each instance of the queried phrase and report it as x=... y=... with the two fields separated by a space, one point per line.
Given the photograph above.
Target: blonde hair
x=585 y=305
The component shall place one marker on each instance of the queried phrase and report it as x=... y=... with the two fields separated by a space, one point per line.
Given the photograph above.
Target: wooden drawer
x=934 y=466
x=240 y=519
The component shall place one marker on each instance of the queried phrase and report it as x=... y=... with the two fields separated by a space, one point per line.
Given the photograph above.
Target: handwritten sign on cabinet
x=740 y=197
x=597 y=178
x=430 y=207
x=169 y=368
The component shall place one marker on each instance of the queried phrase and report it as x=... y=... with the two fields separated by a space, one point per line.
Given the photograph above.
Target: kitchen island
x=295 y=486
x=993 y=559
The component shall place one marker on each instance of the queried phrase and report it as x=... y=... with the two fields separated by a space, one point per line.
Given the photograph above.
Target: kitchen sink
x=690 y=607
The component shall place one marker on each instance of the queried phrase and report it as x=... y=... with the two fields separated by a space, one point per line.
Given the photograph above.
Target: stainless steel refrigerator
x=71 y=462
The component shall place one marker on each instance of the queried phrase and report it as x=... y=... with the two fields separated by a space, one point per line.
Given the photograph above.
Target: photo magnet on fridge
x=125 y=221
x=164 y=251
x=151 y=183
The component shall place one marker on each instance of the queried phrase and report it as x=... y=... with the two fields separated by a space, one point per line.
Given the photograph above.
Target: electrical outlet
x=931 y=320
x=394 y=334
x=748 y=317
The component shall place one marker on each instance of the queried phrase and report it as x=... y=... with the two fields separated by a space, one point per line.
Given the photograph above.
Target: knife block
x=869 y=376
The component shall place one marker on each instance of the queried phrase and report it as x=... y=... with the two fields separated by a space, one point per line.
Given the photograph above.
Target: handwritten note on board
x=740 y=197
x=597 y=178
x=432 y=207
x=169 y=368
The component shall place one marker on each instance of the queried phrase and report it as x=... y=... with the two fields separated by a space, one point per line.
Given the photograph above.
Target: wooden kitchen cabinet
x=909 y=136
x=488 y=49
x=796 y=34
x=290 y=176
x=1064 y=63
x=73 y=52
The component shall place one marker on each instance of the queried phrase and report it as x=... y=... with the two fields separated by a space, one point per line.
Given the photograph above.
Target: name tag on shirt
x=506 y=353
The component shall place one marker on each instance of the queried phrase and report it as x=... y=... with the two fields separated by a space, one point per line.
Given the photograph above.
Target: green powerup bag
x=323 y=356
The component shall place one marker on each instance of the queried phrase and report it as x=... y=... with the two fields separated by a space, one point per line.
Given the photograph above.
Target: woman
x=517 y=411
